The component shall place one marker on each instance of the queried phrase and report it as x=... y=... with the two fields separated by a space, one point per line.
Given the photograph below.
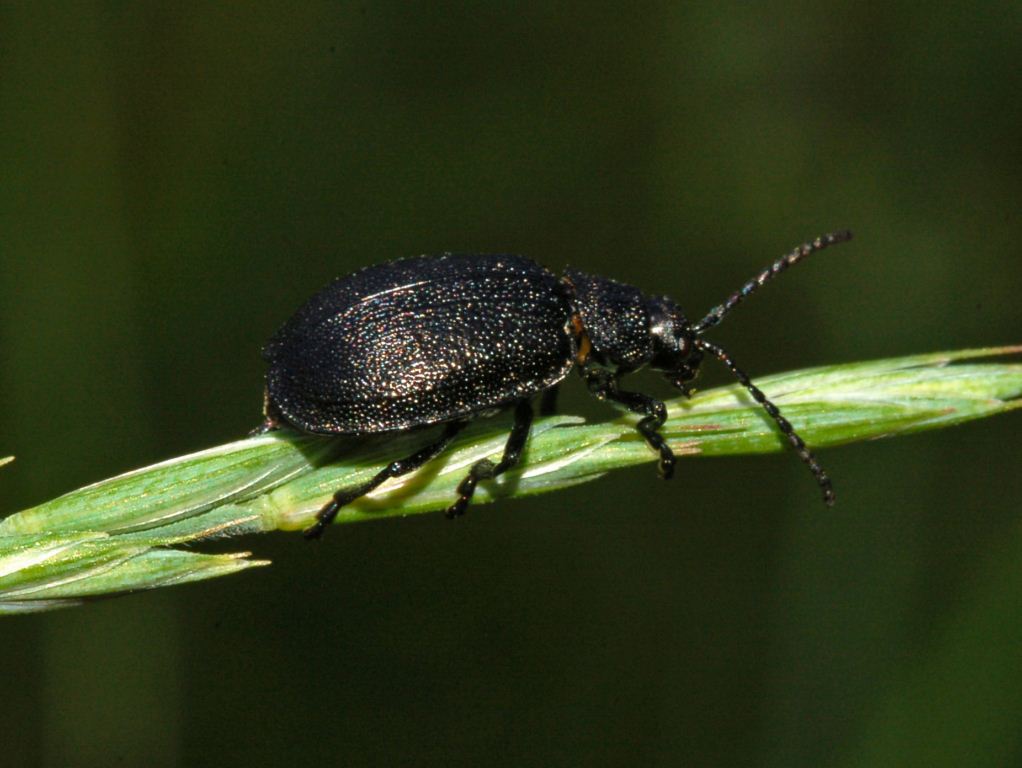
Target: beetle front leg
x=603 y=384
x=486 y=469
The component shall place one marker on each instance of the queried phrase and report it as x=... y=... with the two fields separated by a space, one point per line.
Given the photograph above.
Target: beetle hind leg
x=395 y=469
x=486 y=469
x=269 y=425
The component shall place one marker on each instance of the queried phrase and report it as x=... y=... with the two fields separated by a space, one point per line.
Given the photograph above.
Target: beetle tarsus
x=315 y=530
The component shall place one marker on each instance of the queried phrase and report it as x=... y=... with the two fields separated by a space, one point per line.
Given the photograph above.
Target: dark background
x=177 y=178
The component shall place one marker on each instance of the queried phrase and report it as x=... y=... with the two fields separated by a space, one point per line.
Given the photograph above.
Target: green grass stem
x=126 y=533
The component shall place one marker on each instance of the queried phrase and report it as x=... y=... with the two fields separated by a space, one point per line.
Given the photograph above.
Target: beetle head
x=675 y=349
x=678 y=346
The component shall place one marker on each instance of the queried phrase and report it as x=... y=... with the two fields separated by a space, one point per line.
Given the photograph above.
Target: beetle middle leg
x=395 y=469
x=486 y=469
x=603 y=384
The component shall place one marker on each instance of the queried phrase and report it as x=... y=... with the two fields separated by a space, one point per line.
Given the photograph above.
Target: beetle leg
x=395 y=469
x=271 y=417
x=548 y=403
x=603 y=384
x=269 y=425
x=486 y=469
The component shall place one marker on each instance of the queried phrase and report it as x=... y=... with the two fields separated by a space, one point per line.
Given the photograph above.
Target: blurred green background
x=178 y=177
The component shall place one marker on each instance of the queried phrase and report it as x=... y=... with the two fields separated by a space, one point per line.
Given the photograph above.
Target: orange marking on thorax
x=582 y=338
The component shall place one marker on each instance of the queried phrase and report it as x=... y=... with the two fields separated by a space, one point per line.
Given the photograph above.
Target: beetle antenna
x=789 y=432
x=717 y=313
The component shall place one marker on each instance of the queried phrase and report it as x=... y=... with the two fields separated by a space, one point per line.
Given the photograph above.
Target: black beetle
x=442 y=339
